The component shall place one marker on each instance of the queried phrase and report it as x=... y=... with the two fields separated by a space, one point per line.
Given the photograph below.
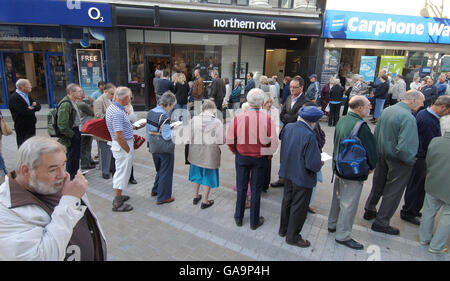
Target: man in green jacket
x=398 y=142
x=346 y=192
x=68 y=124
x=437 y=194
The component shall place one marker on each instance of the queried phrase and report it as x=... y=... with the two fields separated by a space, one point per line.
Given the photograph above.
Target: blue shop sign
x=60 y=12
x=385 y=27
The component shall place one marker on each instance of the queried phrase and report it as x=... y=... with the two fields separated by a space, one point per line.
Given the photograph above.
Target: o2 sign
x=95 y=14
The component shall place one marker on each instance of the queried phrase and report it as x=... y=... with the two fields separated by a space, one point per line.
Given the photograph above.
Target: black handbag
x=156 y=142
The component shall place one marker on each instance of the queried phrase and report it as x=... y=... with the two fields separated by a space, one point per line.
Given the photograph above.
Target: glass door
x=153 y=63
x=27 y=65
x=57 y=80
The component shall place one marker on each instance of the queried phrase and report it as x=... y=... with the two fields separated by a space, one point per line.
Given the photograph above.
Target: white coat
x=28 y=233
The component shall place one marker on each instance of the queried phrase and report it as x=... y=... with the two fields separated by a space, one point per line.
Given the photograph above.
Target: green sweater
x=343 y=129
x=438 y=167
x=396 y=134
x=66 y=120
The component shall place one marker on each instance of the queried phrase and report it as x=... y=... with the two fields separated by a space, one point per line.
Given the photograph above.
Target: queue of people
x=407 y=151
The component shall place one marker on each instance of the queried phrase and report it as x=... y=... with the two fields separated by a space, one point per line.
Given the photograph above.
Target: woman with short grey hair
x=204 y=152
x=158 y=123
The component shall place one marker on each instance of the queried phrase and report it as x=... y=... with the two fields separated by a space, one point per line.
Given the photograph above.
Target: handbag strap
x=160 y=126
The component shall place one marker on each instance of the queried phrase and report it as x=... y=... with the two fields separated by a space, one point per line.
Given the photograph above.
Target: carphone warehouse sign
x=385 y=27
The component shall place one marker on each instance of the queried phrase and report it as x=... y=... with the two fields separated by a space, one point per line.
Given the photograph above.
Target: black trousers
x=253 y=170
x=415 y=190
x=294 y=209
x=73 y=153
x=23 y=135
x=334 y=114
x=268 y=172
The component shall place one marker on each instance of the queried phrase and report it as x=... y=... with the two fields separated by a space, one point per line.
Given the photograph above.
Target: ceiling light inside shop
x=293 y=38
x=270 y=50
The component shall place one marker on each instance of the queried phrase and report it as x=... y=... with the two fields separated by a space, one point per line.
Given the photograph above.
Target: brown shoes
x=171 y=199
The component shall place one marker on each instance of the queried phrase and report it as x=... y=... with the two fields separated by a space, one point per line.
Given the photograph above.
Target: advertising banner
x=90 y=69
x=392 y=64
x=55 y=12
x=330 y=66
x=385 y=27
x=367 y=67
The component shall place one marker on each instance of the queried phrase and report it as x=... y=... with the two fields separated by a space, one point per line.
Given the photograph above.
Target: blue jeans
x=379 y=105
x=164 y=175
x=179 y=106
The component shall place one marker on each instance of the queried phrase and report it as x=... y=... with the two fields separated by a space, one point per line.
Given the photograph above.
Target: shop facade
x=364 y=38
x=48 y=47
x=150 y=38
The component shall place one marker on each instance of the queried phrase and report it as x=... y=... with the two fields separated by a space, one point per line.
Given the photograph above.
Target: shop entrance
x=44 y=70
x=151 y=64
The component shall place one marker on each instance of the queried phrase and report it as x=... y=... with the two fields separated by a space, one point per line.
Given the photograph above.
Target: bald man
x=347 y=192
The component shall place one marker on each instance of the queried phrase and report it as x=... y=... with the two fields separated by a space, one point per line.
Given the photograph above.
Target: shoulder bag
x=156 y=142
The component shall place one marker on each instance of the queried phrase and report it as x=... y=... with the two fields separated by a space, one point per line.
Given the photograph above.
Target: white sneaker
x=423 y=243
x=443 y=251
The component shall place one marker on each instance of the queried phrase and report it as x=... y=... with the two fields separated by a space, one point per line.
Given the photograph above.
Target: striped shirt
x=117 y=121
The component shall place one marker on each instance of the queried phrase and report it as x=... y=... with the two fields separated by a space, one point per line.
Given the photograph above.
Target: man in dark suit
x=289 y=111
x=23 y=108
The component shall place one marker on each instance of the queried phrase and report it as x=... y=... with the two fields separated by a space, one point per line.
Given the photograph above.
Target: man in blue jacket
x=300 y=163
x=250 y=84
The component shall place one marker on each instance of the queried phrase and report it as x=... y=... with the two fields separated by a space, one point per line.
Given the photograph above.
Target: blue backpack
x=351 y=159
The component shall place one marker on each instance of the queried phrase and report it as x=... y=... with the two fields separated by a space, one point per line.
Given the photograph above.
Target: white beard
x=41 y=188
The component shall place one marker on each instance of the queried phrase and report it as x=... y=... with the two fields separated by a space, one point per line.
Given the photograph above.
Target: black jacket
x=181 y=92
x=290 y=115
x=382 y=90
x=218 y=90
x=336 y=93
x=24 y=118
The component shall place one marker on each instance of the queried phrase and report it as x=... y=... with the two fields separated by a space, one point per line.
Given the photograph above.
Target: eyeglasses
x=291 y=87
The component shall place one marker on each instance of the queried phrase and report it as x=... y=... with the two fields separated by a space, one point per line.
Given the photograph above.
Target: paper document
x=325 y=156
x=140 y=122
x=175 y=124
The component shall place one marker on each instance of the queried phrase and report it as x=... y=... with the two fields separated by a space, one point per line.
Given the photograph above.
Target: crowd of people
x=407 y=151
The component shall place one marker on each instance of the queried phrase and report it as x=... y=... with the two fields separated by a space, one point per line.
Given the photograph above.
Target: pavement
x=181 y=231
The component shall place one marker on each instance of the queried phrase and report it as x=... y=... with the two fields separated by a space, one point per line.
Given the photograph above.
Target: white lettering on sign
x=389 y=26
x=234 y=23
x=89 y=58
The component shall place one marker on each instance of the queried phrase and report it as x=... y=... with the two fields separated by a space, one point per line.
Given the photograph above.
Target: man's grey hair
x=337 y=81
x=121 y=93
x=158 y=73
x=255 y=97
x=443 y=100
x=356 y=76
x=271 y=81
x=445 y=124
x=72 y=87
x=30 y=152
x=168 y=98
x=215 y=73
x=412 y=94
x=21 y=83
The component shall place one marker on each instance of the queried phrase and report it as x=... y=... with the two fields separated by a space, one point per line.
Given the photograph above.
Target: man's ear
x=25 y=172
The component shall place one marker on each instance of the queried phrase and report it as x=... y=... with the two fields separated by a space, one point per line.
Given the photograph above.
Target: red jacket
x=252 y=133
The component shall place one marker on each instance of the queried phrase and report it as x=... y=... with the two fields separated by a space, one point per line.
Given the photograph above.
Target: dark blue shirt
x=286 y=93
x=164 y=86
x=428 y=127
